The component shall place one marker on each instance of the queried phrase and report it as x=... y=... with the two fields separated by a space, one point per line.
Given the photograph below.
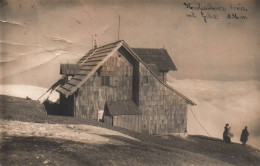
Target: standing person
x=244 y=136
x=225 y=133
x=229 y=135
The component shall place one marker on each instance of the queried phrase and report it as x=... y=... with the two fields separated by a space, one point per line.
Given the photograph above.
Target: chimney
x=95 y=45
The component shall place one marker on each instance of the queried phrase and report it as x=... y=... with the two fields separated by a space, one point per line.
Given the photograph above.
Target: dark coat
x=226 y=138
x=225 y=133
x=244 y=135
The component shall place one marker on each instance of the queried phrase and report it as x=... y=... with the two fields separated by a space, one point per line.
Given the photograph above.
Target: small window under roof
x=105 y=80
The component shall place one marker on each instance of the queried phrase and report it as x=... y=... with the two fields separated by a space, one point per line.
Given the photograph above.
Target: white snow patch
x=79 y=133
x=33 y=92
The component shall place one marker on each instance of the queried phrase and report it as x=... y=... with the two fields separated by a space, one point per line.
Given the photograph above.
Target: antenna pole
x=92 y=42
x=118 y=27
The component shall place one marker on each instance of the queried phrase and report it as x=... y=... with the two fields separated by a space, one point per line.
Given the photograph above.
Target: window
x=104 y=80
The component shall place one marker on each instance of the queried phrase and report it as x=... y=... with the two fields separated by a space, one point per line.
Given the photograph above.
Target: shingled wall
x=163 y=110
x=91 y=96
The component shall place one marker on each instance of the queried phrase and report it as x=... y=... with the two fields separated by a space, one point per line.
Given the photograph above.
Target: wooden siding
x=108 y=120
x=163 y=111
x=69 y=69
x=135 y=76
x=130 y=122
x=162 y=76
x=92 y=97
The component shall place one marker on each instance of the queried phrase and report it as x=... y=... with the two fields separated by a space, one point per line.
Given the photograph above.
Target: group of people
x=227 y=135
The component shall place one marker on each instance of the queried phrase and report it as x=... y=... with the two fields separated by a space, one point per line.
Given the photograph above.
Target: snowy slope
x=33 y=92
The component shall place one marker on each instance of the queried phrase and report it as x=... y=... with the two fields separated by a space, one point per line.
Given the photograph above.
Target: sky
x=38 y=35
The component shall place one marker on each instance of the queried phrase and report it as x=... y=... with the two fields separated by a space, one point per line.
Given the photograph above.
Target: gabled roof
x=157 y=56
x=91 y=62
x=81 y=60
x=116 y=108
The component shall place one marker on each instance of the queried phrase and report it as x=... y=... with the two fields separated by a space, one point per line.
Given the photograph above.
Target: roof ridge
x=156 y=48
x=95 y=68
x=109 y=44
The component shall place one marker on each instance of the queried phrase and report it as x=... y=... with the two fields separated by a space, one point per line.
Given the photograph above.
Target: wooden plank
x=91 y=63
x=136 y=123
x=87 y=68
x=96 y=58
x=108 y=120
x=100 y=55
x=103 y=52
x=73 y=82
x=87 y=56
x=78 y=77
x=107 y=48
x=129 y=122
x=84 y=57
x=62 y=90
x=62 y=87
x=67 y=86
x=116 y=121
x=83 y=72
x=81 y=61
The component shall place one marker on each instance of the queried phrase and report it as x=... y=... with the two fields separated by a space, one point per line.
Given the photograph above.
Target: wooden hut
x=129 y=85
x=124 y=114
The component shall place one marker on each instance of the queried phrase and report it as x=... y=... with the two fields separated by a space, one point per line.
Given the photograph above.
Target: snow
x=22 y=91
x=79 y=133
